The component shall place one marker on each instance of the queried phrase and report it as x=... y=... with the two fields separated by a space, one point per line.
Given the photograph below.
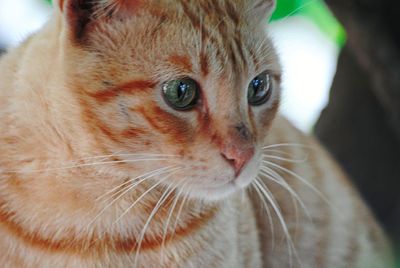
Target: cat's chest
x=228 y=239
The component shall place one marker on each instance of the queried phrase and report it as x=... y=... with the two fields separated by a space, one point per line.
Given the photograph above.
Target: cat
x=144 y=133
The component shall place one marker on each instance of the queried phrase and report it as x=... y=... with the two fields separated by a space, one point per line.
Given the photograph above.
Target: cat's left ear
x=260 y=10
x=78 y=15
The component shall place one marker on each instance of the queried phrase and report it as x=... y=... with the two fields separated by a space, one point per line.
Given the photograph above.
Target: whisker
x=88 y=165
x=277 y=151
x=126 y=155
x=169 y=219
x=286 y=145
x=295 y=199
x=278 y=179
x=268 y=195
x=127 y=190
x=184 y=200
x=145 y=193
x=301 y=179
x=296 y=161
x=164 y=197
x=95 y=157
x=151 y=173
x=284 y=155
x=267 y=209
x=124 y=190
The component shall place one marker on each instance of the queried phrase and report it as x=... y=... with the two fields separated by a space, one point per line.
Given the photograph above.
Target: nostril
x=237 y=158
x=231 y=161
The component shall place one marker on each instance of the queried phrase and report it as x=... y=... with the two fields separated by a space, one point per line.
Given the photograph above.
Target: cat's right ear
x=79 y=15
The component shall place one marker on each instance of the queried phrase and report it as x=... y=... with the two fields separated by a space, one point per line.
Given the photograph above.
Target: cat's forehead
x=209 y=36
x=194 y=8
x=210 y=17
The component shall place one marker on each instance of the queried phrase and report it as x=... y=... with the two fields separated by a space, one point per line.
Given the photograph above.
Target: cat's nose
x=237 y=157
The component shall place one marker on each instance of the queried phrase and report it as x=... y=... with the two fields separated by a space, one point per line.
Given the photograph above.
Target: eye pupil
x=259 y=90
x=181 y=94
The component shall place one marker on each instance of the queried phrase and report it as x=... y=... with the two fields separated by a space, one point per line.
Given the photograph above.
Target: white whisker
x=289 y=160
x=301 y=179
x=128 y=190
x=268 y=195
x=278 y=179
x=164 y=197
x=151 y=173
x=184 y=200
x=88 y=165
x=267 y=209
x=277 y=151
x=146 y=192
x=286 y=145
x=127 y=155
x=169 y=219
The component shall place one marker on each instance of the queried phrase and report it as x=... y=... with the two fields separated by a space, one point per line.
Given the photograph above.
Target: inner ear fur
x=261 y=9
x=78 y=14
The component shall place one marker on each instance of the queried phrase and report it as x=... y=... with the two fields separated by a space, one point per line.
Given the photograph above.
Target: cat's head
x=193 y=84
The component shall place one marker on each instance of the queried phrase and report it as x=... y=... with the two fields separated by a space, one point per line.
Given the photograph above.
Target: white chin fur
x=214 y=194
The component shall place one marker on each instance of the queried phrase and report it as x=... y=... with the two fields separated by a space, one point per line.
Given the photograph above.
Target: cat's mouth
x=227 y=182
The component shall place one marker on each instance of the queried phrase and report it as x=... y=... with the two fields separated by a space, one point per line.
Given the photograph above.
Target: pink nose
x=237 y=157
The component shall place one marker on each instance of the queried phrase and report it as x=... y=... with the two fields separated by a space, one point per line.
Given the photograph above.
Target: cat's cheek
x=265 y=119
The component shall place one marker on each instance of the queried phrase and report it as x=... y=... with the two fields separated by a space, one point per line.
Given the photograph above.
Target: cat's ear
x=79 y=14
x=260 y=10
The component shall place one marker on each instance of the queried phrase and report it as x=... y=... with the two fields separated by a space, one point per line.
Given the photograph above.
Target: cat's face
x=194 y=84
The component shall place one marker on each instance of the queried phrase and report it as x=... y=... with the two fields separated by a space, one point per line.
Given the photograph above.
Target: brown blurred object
x=361 y=124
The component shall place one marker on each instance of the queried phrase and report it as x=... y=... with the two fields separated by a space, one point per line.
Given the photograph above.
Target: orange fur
x=97 y=170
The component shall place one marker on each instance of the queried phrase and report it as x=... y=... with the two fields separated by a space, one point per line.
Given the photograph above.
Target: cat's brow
x=126 y=88
x=182 y=62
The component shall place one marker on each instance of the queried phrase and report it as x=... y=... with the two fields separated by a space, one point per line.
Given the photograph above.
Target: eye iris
x=181 y=94
x=259 y=90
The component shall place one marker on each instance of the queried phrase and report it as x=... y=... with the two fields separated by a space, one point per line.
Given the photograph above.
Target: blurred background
x=341 y=62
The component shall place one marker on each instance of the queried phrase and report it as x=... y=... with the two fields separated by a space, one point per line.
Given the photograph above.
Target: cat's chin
x=215 y=194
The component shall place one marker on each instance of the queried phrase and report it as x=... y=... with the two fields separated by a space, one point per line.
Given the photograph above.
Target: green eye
x=181 y=94
x=260 y=90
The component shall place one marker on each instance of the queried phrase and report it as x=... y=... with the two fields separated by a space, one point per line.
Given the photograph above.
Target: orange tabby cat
x=131 y=130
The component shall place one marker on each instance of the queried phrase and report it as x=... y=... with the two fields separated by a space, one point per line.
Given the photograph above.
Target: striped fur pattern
x=96 y=170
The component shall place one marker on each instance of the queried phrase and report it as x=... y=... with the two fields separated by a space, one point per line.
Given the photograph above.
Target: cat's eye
x=260 y=89
x=181 y=94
